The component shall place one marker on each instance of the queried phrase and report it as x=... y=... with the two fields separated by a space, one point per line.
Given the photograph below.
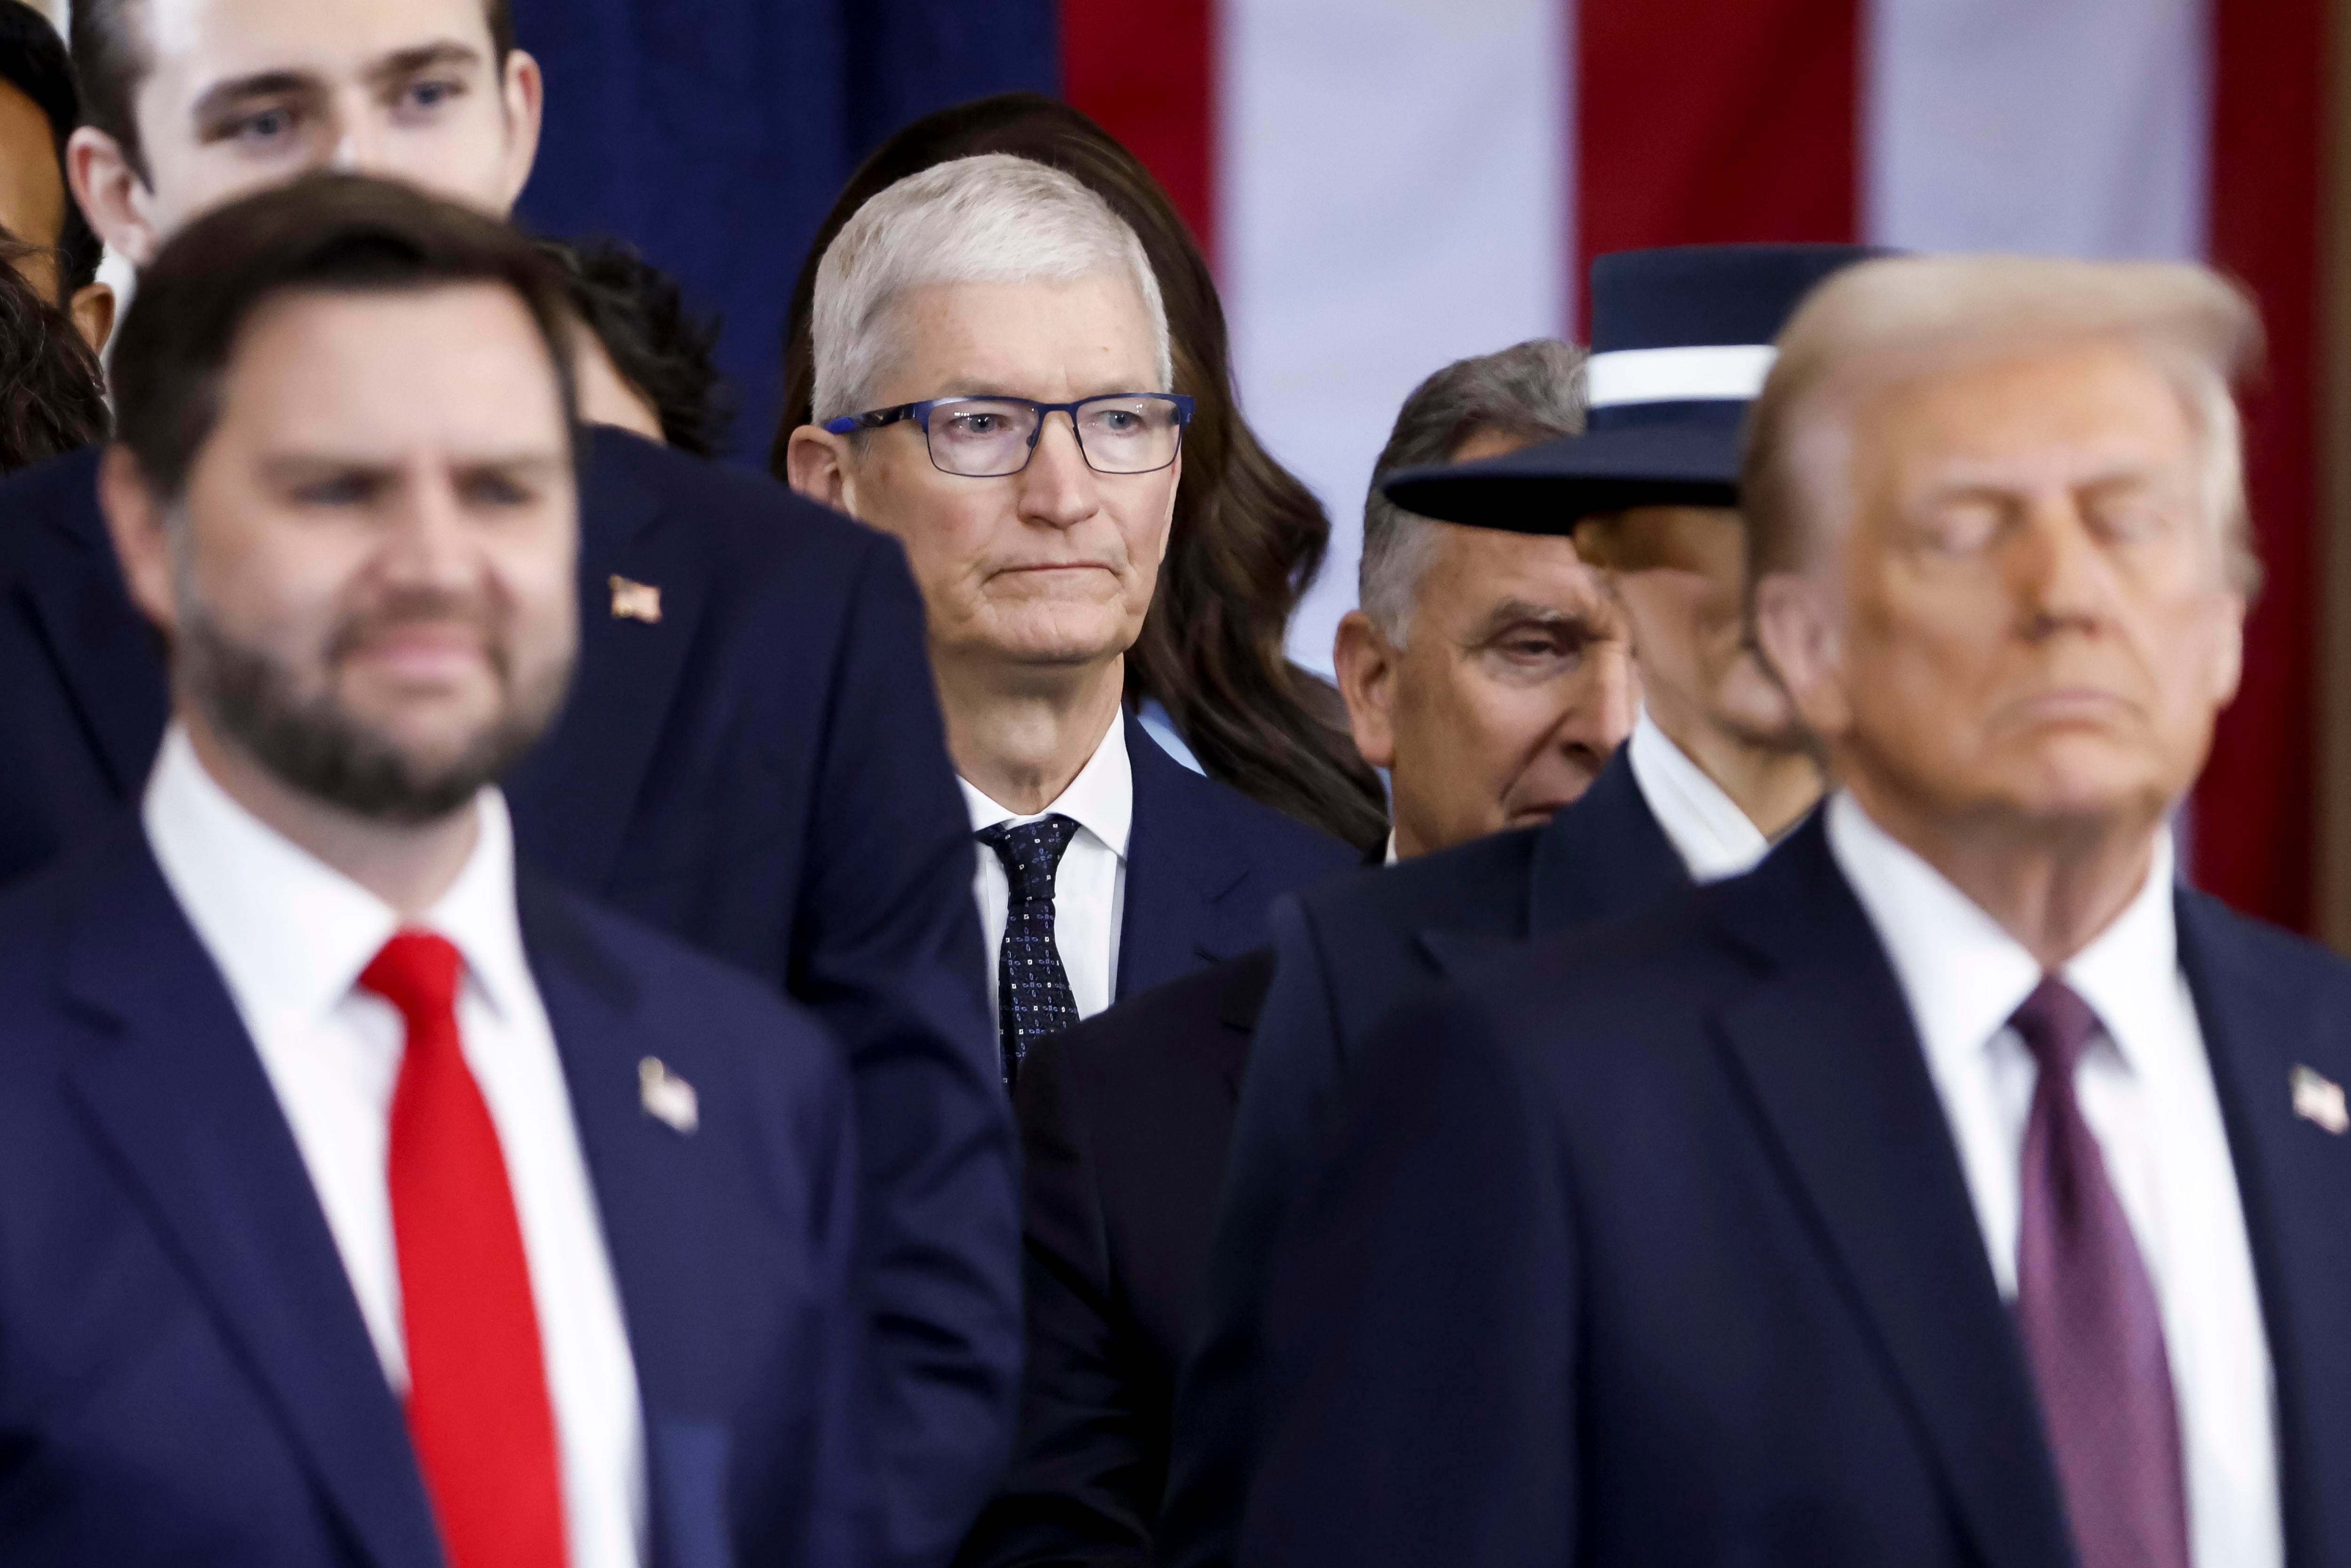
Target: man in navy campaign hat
x=751 y=757
x=1715 y=770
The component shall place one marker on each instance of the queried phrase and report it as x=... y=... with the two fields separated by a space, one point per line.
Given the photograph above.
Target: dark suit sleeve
x=889 y=951
x=1416 y=1390
x=1082 y=1488
x=1294 y=1066
x=842 y=1514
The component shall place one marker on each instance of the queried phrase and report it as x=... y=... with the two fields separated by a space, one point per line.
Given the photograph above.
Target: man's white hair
x=1903 y=315
x=993 y=218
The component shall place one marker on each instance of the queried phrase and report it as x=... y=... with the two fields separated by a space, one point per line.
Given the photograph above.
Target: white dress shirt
x=290 y=935
x=1706 y=827
x=2145 y=1089
x=1089 y=887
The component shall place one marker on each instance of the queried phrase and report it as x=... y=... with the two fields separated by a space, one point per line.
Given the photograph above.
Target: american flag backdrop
x=1389 y=184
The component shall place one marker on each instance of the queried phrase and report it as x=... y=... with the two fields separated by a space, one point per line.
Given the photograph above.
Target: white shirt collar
x=1100 y=798
x=1964 y=976
x=1712 y=835
x=285 y=925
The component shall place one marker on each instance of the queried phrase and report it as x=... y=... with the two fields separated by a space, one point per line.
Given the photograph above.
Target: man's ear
x=1364 y=662
x=817 y=463
x=113 y=194
x=1802 y=641
x=524 y=92
x=136 y=520
x=93 y=309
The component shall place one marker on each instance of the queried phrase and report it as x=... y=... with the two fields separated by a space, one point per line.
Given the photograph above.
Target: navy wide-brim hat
x=1681 y=341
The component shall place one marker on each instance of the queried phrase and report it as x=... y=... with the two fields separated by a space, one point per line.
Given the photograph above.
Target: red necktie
x=478 y=1412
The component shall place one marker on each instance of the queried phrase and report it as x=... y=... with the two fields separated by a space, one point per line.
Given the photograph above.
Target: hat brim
x=1548 y=488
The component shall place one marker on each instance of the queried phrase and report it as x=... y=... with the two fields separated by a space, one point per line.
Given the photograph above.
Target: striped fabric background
x=1390 y=184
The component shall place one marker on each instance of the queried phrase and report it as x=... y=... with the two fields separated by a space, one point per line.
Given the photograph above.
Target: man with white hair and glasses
x=993 y=386
x=1954 y=1188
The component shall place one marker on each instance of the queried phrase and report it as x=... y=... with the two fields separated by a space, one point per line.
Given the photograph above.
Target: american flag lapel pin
x=667 y=1098
x=635 y=600
x=2318 y=1100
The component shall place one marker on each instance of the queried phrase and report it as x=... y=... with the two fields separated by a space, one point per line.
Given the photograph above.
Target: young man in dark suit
x=1956 y=1187
x=1491 y=675
x=751 y=758
x=1714 y=768
x=993 y=386
x=368 y=1196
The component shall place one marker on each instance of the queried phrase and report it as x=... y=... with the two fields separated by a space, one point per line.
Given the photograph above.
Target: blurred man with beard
x=753 y=760
x=366 y=1196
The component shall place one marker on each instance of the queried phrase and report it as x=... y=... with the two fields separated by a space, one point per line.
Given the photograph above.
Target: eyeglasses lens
x=983 y=438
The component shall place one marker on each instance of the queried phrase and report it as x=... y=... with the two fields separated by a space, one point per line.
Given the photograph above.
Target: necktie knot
x=1030 y=853
x=2056 y=1026
x=417 y=973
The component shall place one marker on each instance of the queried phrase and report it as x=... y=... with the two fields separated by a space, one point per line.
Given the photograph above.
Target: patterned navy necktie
x=1032 y=990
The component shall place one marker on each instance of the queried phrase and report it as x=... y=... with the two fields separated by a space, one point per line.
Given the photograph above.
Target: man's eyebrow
x=1582 y=622
x=293 y=467
x=221 y=97
x=402 y=64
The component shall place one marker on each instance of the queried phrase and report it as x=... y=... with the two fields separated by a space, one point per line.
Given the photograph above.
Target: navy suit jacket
x=762 y=772
x=1345 y=955
x=1651 y=1245
x=1124 y=1121
x=1204 y=862
x=184 y=1374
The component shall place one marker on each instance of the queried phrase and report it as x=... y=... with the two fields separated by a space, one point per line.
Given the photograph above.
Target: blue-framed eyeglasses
x=991 y=437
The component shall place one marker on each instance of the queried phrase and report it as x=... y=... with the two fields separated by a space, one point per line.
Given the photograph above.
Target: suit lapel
x=1238 y=1010
x=1450 y=947
x=181 y=1101
x=576 y=792
x=1601 y=856
x=1826 y=1047
x=652 y=1191
x=106 y=656
x=1181 y=871
x=2294 y=1181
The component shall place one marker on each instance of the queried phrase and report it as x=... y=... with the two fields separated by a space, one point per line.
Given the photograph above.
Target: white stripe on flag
x=1391 y=193
x=2074 y=127
x=1717 y=373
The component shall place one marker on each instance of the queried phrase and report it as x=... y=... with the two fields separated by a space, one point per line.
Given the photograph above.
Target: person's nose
x=2059 y=575
x=1057 y=488
x=354 y=140
x=428 y=545
x=1601 y=715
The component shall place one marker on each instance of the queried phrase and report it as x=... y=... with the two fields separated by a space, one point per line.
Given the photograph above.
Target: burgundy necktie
x=2091 y=1325
x=479 y=1411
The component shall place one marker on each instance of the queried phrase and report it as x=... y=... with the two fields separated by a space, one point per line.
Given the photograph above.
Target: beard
x=301 y=732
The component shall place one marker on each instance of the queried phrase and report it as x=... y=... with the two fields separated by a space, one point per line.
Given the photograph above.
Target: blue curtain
x=714 y=134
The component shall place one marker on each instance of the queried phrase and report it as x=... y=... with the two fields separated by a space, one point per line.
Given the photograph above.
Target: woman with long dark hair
x=1248 y=536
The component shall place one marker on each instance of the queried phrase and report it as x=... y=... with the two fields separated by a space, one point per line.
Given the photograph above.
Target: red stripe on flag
x=2255 y=826
x=1699 y=123
x=1148 y=74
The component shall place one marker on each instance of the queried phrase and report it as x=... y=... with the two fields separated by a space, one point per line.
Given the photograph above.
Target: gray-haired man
x=1125 y=1119
x=1488 y=671
x=994 y=385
